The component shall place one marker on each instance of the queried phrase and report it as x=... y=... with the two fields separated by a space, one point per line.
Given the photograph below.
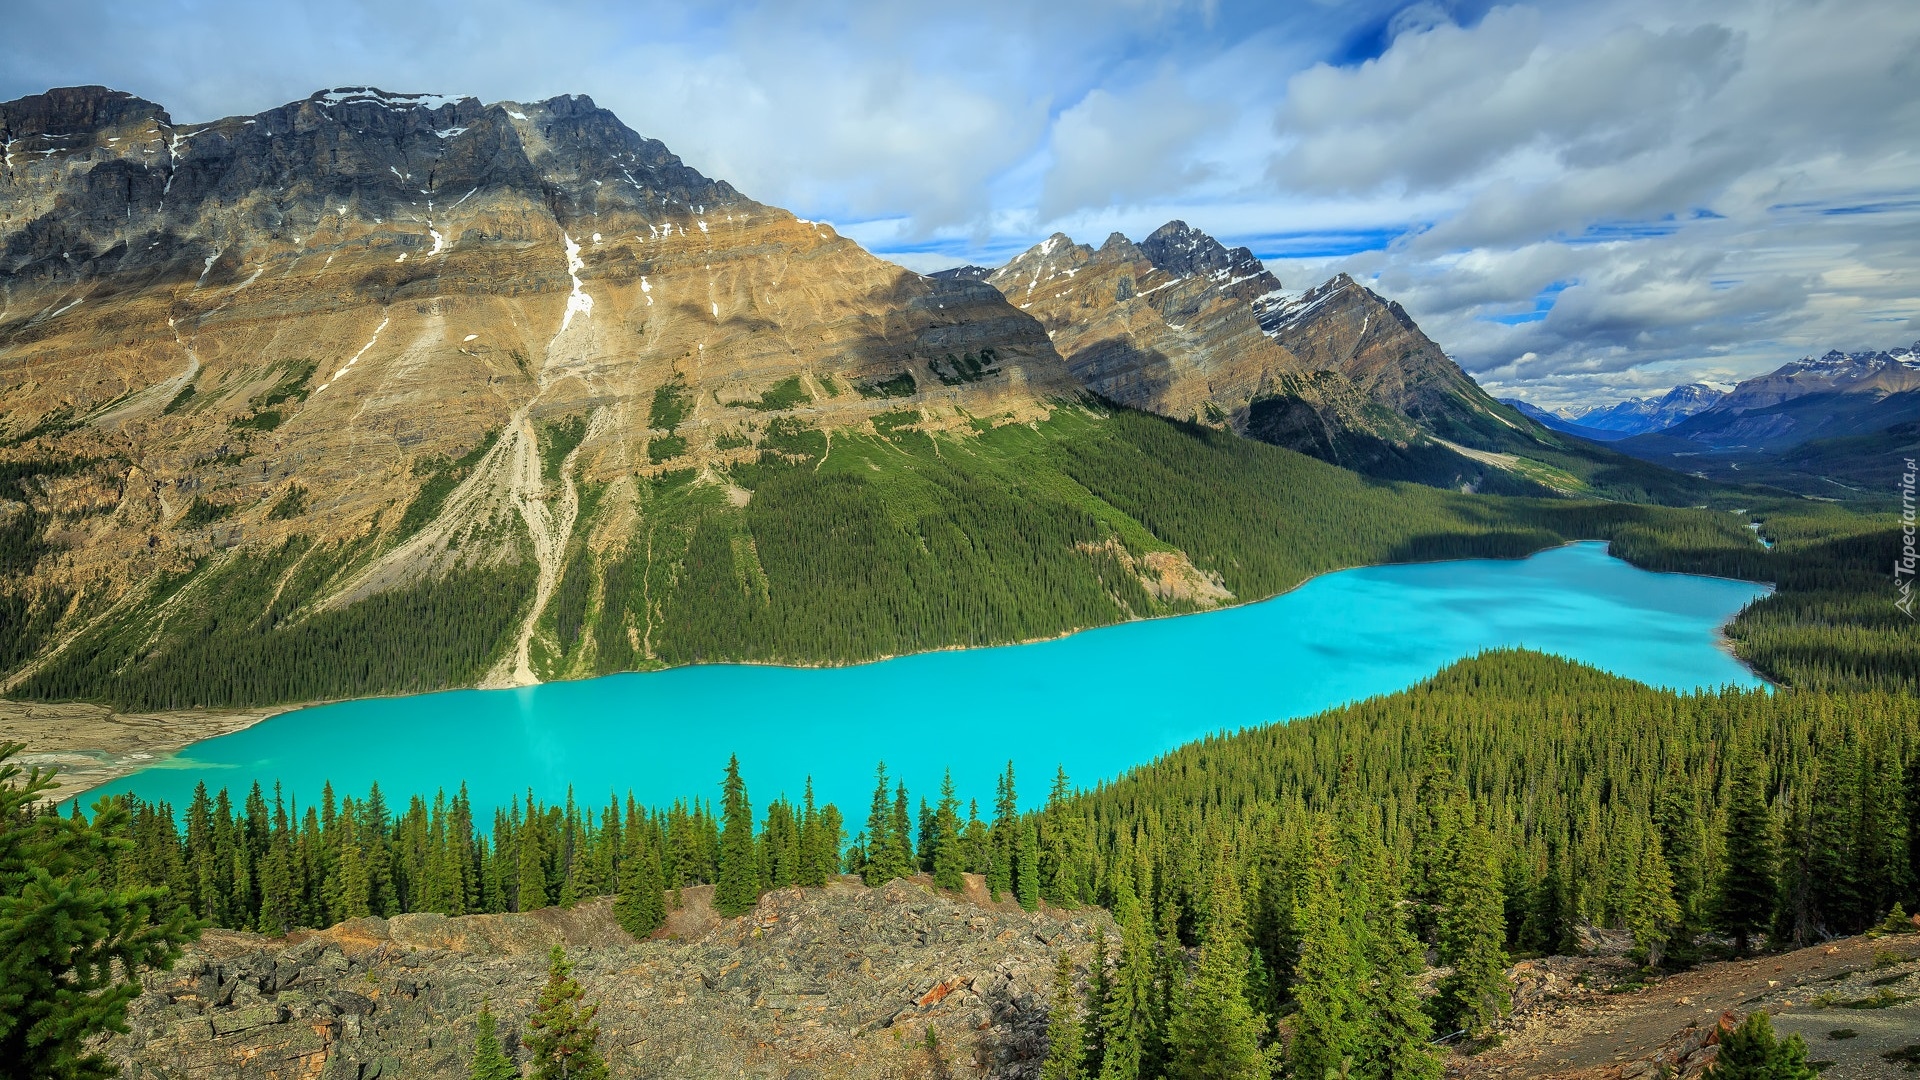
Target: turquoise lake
x=1097 y=702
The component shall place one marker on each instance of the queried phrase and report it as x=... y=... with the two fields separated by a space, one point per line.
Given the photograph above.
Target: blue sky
x=1580 y=201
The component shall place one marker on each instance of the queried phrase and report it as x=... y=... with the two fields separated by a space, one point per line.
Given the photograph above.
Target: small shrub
x=291 y=505
x=203 y=512
x=1837 y=1034
x=663 y=448
x=264 y=420
x=901 y=385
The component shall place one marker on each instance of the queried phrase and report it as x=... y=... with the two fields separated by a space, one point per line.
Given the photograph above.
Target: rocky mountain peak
x=1181 y=250
x=1889 y=371
x=72 y=112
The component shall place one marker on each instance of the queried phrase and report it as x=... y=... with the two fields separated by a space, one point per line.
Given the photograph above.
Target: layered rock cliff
x=299 y=323
x=1183 y=326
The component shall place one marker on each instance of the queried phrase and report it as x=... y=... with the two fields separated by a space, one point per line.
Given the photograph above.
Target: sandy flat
x=91 y=744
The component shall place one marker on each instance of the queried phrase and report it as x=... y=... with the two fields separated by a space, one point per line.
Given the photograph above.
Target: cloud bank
x=1579 y=200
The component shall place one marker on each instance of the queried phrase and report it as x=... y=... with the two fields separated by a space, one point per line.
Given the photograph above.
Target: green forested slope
x=869 y=545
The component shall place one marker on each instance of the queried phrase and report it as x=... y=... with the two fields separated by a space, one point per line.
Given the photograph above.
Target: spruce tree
x=947 y=857
x=738 y=886
x=1066 y=1036
x=900 y=833
x=642 y=904
x=72 y=946
x=1099 y=993
x=1471 y=934
x=1751 y=1052
x=1651 y=912
x=1552 y=924
x=1026 y=867
x=1062 y=843
x=1004 y=837
x=1123 y=1018
x=1747 y=886
x=880 y=866
x=816 y=860
x=1684 y=843
x=1214 y=1034
x=1392 y=1039
x=562 y=1039
x=490 y=1061
x=1327 y=977
x=530 y=893
x=350 y=896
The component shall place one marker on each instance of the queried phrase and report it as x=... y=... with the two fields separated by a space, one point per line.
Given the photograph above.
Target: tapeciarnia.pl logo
x=1903 y=567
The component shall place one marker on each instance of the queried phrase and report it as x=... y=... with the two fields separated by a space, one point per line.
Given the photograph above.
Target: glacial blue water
x=1096 y=703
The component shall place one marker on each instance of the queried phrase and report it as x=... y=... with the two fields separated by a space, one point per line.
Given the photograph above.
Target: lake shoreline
x=92 y=745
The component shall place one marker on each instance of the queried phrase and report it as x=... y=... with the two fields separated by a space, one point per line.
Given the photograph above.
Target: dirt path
x=1598 y=1035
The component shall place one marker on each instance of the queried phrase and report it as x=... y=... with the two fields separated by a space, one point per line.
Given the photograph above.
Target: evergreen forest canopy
x=1277 y=890
x=1280 y=885
x=904 y=541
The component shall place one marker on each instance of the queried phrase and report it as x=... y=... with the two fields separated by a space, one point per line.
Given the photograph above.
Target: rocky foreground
x=844 y=981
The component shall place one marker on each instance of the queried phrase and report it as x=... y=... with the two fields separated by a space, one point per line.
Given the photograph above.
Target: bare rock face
x=232 y=333
x=1344 y=327
x=842 y=981
x=1183 y=326
x=1167 y=326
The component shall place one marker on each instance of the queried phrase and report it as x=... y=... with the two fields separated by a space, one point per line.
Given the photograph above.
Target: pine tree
x=738 y=886
x=1062 y=839
x=562 y=1039
x=71 y=947
x=880 y=866
x=1684 y=843
x=1066 y=1036
x=948 y=859
x=1747 y=887
x=1651 y=912
x=1328 y=975
x=1026 y=867
x=1750 y=1052
x=1003 y=838
x=490 y=1061
x=531 y=877
x=1213 y=1033
x=1123 y=1017
x=642 y=905
x=1471 y=934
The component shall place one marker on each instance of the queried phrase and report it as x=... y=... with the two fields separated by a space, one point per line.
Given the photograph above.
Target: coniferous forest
x=1278 y=892
x=1287 y=878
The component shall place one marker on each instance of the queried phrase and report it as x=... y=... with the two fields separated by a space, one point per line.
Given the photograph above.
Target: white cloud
x=1655 y=189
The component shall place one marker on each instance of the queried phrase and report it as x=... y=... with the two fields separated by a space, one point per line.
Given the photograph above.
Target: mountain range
x=1636 y=416
x=1831 y=426
x=518 y=373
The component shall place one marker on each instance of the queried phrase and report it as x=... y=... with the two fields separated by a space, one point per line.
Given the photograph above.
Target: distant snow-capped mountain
x=1824 y=397
x=1559 y=421
x=1637 y=416
x=1888 y=372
